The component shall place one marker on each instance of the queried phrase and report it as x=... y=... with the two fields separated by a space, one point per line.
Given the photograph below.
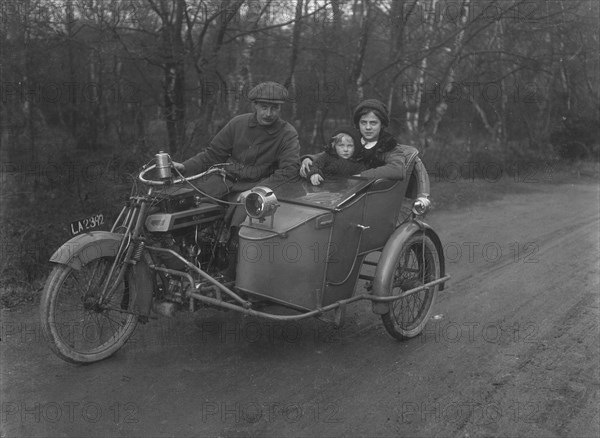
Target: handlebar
x=152 y=182
x=169 y=180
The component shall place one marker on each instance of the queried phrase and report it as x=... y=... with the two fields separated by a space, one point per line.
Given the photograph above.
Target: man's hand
x=179 y=166
x=316 y=179
x=305 y=167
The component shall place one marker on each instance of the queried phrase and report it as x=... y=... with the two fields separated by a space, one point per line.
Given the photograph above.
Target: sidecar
x=306 y=247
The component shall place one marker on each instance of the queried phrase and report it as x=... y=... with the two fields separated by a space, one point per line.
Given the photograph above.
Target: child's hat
x=352 y=133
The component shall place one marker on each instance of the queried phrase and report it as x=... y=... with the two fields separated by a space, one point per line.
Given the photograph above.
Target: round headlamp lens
x=421 y=206
x=260 y=203
x=254 y=205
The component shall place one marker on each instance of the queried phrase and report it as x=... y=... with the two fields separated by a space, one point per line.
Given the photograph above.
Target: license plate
x=87 y=224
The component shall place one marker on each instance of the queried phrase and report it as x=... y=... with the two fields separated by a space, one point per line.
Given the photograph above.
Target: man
x=259 y=147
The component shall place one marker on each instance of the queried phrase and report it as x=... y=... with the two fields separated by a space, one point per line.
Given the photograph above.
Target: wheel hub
x=91 y=304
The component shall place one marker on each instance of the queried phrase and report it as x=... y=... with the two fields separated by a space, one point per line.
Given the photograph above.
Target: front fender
x=84 y=248
x=386 y=266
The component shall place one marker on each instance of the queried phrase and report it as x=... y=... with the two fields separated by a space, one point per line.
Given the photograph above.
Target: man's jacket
x=269 y=154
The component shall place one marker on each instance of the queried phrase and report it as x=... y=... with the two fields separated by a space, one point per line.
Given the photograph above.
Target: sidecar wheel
x=417 y=263
x=78 y=329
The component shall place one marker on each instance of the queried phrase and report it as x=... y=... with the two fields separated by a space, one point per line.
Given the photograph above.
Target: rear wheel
x=417 y=263
x=78 y=327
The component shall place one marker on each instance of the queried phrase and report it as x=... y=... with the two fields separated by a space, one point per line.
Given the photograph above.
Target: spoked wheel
x=78 y=327
x=417 y=263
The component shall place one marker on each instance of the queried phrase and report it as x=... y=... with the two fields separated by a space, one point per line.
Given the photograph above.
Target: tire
x=417 y=263
x=77 y=329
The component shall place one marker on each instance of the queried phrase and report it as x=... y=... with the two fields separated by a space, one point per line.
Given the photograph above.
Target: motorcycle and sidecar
x=302 y=247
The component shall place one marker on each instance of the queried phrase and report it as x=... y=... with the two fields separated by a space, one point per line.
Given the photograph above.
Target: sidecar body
x=311 y=252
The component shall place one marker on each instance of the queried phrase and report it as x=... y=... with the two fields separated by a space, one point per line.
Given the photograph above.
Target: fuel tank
x=162 y=222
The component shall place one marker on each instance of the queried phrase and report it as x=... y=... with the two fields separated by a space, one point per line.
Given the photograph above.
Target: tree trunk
x=493 y=130
x=174 y=105
x=396 y=45
x=88 y=139
x=413 y=96
x=241 y=78
x=356 y=75
x=174 y=75
x=214 y=119
x=28 y=107
x=291 y=79
x=317 y=132
x=442 y=106
x=72 y=114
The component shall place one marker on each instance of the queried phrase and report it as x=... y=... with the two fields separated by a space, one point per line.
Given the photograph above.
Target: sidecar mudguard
x=84 y=248
x=385 y=266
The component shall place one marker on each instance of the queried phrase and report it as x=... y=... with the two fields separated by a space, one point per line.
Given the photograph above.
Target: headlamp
x=421 y=206
x=260 y=203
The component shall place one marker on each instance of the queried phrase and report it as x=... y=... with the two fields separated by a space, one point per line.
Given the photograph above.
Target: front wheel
x=417 y=263
x=78 y=327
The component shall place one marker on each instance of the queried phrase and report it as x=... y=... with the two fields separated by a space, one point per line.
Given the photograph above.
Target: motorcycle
x=302 y=247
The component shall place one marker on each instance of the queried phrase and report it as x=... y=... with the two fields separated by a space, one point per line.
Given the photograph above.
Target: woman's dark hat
x=374 y=105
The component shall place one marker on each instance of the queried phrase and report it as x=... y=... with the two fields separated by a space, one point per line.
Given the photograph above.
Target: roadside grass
x=12 y=296
x=455 y=193
x=464 y=193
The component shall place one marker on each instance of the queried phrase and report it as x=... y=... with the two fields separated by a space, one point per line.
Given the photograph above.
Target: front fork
x=131 y=247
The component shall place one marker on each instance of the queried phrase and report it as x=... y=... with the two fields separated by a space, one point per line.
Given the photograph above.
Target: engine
x=192 y=227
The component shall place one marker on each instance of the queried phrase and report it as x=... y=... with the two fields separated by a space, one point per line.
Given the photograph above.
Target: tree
x=171 y=14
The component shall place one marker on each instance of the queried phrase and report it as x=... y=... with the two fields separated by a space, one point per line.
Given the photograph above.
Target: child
x=339 y=159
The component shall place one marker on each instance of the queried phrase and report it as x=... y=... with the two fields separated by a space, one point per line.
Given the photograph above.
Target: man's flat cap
x=270 y=92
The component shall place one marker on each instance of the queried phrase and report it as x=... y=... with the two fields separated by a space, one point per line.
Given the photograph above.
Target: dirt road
x=513 y=350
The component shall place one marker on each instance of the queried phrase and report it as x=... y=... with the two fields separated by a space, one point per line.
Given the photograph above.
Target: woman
x=382 y=155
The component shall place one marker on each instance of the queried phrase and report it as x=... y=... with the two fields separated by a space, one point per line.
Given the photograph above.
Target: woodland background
x=91 y=89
